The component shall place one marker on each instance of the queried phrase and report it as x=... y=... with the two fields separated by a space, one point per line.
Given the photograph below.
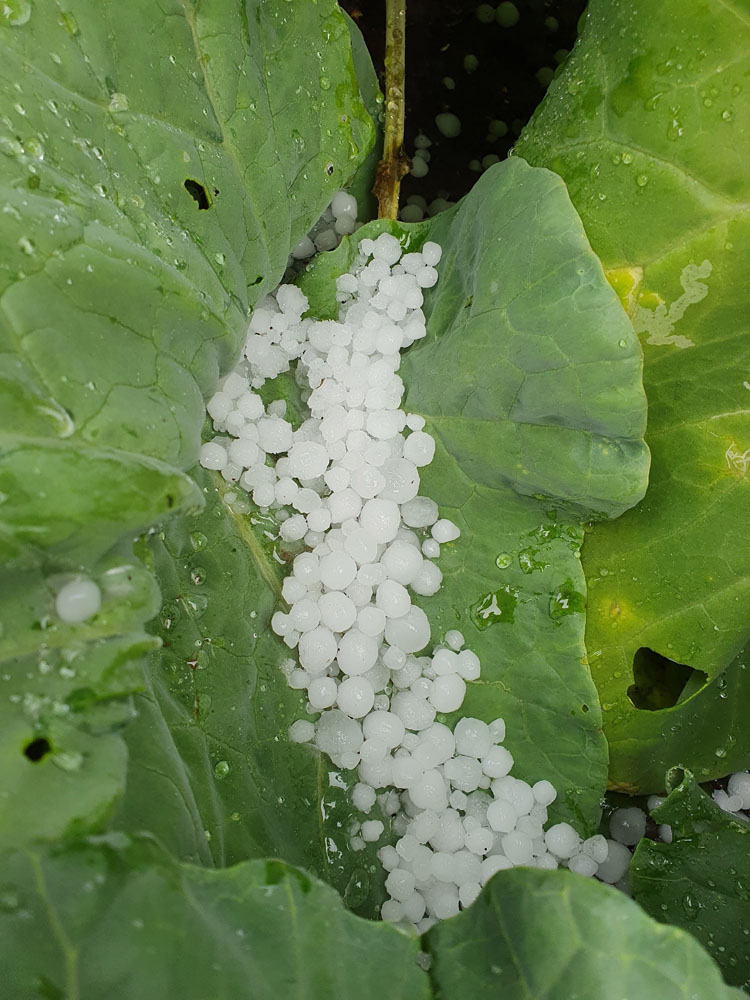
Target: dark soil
x=504 y=85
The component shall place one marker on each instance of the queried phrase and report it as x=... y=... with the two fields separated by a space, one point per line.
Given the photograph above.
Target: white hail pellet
x=345 y=485
x=616 y=864
x=739 y=784
x=627 y=826
x=78 y=600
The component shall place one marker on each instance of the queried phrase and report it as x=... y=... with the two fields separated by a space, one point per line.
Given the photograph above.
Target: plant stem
x=394 y=164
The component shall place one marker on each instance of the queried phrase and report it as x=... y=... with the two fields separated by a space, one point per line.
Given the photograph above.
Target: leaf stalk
x=394 y=163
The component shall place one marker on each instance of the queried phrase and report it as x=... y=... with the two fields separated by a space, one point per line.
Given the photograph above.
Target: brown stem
x=394 y=164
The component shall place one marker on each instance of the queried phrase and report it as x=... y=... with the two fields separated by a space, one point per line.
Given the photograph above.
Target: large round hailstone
x=337 y=570
x=410 y=632
x=501 y=816
x=414 y=712
x=371 y=620
x=563 y=841
x=428 y=580
x=381 y=519
x=419 y=448
x=337 y=733
x=627 y=826
x=421 y=512
x=429 y=792
x=355 y=697
x=274 y=435
x=307 y=460
x=473 y=737
x=304 y=615
x=616 y=864
x=448 y=691
x=402 y=561
x=497 y=762
x=401 y=481
x=518 y=793
x=405 y=771
x=437 y=745
x=739 y=784
x=317 y=649
x=393 y=599
x=368 y=481
x=448 y=124
x=384 y=726
x=78 y=600
x=357 y=652
x=343 y=505
x=337 y=611
x=361 y=546
x=321 y=692
x=596 y=848
x=518 y=848
x=213 y=456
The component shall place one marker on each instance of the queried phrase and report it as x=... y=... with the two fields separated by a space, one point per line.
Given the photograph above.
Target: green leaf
x=647 y=123
x=121 y=297
x=120 y=918
x=210 y=743
x=151 y=192
x=701 y=881
x=529 y=378
x=63 y=690
x=535 y=935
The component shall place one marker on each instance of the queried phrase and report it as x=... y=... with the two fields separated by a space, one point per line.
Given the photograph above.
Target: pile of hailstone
x=345 y=485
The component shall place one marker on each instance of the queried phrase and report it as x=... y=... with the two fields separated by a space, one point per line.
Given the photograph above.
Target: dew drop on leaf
x=15 y=12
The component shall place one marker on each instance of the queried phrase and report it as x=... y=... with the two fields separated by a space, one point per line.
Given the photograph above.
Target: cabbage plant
x=585 y=376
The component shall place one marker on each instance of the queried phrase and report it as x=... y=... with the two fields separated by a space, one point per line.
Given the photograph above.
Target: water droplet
x=222 y=769
x=627 y=158
x=220 y=259
x=198 y=540
x=727 y=115
x=495 y=607
x=11 y=147
x=504 y=560
x=9 y=900
x=118 y=102
x=357 y=888
x=622 y=343
x=68 y=761
x=26 y=245
x=35 y=148
x=674 y=130
x=566 y=601
x=68 y=21
x=325 y=83
x=641 y=180
x=15 y=12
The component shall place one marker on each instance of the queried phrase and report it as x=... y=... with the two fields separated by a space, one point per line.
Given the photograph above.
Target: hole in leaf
x=659 y=682
x=37 y=749
x=196 y=191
